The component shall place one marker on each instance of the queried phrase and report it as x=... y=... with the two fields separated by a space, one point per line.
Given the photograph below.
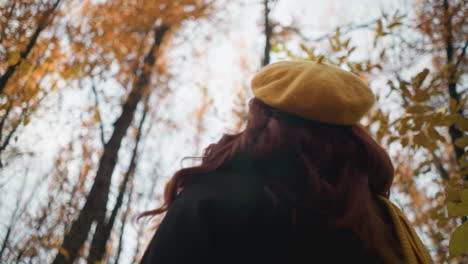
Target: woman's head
x=338 y=162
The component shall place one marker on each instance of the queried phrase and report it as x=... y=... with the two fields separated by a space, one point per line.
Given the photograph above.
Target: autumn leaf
x=457 y=205
x=64 y=252
x=26 y=121
x=461 y=142
x=418 y=109
x=379 y=29
x=458 y=244
x=394 y=24
x=460 y=207
x=457 y=209
x=346 y=43
x=97 y=116
x=351 y=50
x=419 y=79
x=14 y=58
x=461 y=122
x=452 y=194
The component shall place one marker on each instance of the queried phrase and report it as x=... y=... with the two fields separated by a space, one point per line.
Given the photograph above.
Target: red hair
x=341 y=166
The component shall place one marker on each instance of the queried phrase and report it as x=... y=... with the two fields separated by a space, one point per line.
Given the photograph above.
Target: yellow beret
x=314 y=90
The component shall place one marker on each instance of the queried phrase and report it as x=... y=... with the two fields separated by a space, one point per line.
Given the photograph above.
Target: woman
x=302 y=183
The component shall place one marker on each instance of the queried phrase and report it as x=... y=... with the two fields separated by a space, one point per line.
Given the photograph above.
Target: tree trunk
x=104 y=229
x=268 y=33
x=454 y=131
x=123 y=224
x=94 y=208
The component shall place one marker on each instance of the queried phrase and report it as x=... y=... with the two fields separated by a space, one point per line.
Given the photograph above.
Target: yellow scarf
x=414 y=250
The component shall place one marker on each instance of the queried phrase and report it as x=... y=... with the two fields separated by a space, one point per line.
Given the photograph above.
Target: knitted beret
x=313 y=90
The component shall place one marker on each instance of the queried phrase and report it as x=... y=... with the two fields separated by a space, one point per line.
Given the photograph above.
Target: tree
x=29 y=53
x=133 y=23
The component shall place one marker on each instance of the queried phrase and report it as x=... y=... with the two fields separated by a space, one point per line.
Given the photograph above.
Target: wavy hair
x=338 y=165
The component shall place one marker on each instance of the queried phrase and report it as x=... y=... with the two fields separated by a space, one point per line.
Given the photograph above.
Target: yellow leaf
x=14 y=58
x=442 y=110
x=420 y=140
x=97 y=116
x=379 y=29
x=461 y=142
x=351 y=50
x=461 y=122
x=463 y=161
x=459 y=208
x=404 y=89
x=464 y=195
x=418 y=109
x=333 y=47
x=419 y=78
x=452 y=194
x=394 y=24
x=53 y=244
x=453 y=105
x=337 y=34
x=275 y=47
x=459 y=241
x=421 y=95
x=64 y=252
x=346 y=43
x=434 y=135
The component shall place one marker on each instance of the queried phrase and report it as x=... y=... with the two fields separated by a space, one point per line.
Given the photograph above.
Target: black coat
x=227 y=217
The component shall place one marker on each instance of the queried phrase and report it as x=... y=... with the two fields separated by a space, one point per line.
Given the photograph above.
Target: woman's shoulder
x=229 y=199
x=235 y=184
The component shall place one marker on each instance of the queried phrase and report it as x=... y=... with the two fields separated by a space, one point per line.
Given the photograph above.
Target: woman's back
x=239 y=214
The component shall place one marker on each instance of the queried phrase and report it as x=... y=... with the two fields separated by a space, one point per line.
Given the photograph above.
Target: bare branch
x=440 y=167
x=10 y=134
x=5 y=117
x=96 y=103
x=14 y=216
x=462 y=55
x=123 y=224
x=344 y=28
